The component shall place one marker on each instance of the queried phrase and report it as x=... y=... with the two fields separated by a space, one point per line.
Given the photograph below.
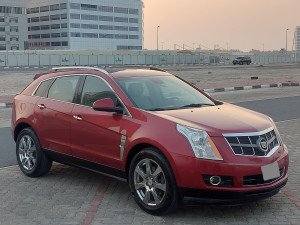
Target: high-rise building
x=82 y=25
x=298 y=38
x=13 y=25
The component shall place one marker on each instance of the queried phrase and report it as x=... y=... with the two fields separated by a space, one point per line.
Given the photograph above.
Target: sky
x=232 y=24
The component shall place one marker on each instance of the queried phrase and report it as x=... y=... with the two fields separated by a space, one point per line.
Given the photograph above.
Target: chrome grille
x=248 y=144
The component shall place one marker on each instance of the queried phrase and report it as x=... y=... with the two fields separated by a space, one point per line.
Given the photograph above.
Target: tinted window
x=94 y=89
x=63 y=88
x=42 y=88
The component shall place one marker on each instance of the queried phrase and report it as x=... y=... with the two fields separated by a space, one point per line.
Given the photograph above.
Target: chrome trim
x=248 y=134
x=122 y=146
x=79 y=67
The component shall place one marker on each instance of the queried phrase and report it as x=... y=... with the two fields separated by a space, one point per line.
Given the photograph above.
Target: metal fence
x=23 y=60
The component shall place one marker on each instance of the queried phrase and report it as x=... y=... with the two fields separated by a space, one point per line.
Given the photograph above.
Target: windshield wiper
x=195 y=105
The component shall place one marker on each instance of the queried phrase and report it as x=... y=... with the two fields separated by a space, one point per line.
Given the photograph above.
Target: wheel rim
x=27 y=152
x=150 y=182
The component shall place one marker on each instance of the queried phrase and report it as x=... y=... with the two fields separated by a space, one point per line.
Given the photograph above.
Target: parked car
x=165 y=137
x=242 y=60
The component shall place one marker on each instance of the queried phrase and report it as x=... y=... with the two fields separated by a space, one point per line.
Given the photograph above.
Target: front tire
x=152 y=182
x=31 y=159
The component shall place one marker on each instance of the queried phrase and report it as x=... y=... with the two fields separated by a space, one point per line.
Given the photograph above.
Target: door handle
x=41 y=106
x=77 y=118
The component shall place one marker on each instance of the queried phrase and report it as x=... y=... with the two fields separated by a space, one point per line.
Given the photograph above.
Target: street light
x=286 y=38
x=157 y=35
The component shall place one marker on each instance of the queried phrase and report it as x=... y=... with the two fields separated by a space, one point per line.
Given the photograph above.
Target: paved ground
x=74 y=196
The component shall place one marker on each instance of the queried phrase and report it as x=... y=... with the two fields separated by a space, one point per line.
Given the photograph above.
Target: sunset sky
x=238 y=24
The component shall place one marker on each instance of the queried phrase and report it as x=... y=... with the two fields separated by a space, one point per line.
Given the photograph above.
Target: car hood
x=217 y=120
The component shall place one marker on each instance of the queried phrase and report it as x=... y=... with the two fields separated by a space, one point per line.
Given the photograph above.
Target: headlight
x=201 y=143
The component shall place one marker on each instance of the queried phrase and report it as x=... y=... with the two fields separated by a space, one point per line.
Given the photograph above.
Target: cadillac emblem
x=262 y=144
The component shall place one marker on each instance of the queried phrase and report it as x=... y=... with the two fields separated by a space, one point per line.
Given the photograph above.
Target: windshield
x=162 y=93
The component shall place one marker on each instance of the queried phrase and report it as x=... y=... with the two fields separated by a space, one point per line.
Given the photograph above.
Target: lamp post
x=157 y=36
x=286 y=38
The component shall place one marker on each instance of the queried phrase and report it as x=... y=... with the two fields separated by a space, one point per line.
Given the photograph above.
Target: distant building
x=13 y=25
x=82 y=25
x=298 y=38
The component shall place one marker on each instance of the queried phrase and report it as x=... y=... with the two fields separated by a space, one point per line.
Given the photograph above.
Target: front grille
x=248 y=144
x=258 y=179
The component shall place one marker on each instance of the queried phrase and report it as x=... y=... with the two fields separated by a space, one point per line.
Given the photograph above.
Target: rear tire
x=31 y=159
x=152 y=182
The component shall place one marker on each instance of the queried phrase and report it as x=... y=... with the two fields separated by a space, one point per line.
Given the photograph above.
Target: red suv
x=168 y=139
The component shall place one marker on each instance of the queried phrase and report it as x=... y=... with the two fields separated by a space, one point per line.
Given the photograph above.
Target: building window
x=88 y=7
x=133 y=29
x=106 y=27
x=64 y=43
x=75 y=25
x=74 y=6
x=54 y=7
x=55 y=43
x=55 y=26
x=89 y=17
x=89 y=35
x=89 y=26
x=55 y=17
x=105 y=8
x=133 y=36
x=110 y=36
x=35 y=28
x=64 y=16
x=35 y=10
x=133 y=20
x=2 y=47
x=2 y=38
x=45 y=35
x=14 y=29
x=36 y=36
x=75 y=34
x=55 y=35
x=63 y=5
x=35 y=19
x=122 y=28
x=44 y=8
x=121 y=36
x=120 y=10
x=64 y=34
x=121 y=19
x=13 y=20
x=134 y=11
x=44 y=18
x=2 y=28
x=64 y=25
x=45 y=27
x=75 y=16
x=2 y=19
x=106 y=18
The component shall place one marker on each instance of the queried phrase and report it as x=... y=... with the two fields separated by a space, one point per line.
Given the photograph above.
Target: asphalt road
x=279 y=109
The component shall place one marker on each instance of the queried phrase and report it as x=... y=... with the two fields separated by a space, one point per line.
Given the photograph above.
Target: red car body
x=107 y=141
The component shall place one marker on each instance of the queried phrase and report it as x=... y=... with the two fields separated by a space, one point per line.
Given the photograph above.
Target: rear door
x=53 y=114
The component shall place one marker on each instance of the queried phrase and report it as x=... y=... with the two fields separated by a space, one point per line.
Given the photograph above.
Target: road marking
x=89 y=217
x=8 y=167
x=291 y=196
x=287 y=120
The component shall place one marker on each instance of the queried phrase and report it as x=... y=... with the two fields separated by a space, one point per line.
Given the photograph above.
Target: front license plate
x=270 y=171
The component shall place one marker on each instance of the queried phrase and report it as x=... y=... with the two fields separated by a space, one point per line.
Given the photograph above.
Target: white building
x=13 y=25
x=82 y=25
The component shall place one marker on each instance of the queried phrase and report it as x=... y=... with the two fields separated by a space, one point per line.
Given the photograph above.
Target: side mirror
x=107 y=105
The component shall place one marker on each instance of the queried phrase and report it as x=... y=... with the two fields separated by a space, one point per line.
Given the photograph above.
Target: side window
x=63 y=88
x=94 y=89
x=40 y=91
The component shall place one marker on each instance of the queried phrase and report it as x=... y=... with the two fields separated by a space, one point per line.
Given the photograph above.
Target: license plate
x=270 y=171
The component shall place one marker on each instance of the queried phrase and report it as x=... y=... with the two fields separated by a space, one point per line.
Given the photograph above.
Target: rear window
x=41 y=90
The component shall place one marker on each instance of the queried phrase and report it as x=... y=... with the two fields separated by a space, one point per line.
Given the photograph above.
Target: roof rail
x=135 y=67
x=79 y=68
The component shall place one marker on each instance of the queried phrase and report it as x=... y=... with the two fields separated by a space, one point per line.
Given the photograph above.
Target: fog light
x=215 y=180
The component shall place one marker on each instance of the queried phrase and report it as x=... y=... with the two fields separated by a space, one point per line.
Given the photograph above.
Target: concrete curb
x=226 y=89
